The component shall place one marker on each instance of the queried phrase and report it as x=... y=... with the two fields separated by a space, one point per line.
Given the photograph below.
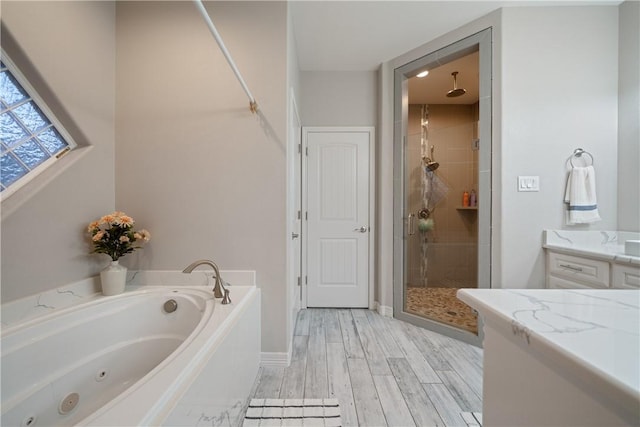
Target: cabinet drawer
x=579 y=269
x=625 y=277
x=554 y=282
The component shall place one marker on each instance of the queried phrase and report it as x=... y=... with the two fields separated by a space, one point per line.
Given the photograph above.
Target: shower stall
x=442 y=195
x=442 y=235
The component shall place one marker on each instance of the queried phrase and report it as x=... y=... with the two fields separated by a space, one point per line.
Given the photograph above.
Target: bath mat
x=293 y=412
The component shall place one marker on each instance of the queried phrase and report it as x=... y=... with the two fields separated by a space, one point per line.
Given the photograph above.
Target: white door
x=294 y=213
x=338 y=228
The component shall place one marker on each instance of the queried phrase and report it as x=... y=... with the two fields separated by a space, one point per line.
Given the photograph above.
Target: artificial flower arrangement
x=114 y=235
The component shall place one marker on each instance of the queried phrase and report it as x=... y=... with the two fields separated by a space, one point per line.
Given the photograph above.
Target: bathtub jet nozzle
x=68 y=403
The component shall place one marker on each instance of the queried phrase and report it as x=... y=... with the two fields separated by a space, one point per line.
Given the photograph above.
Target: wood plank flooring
x=383 y=371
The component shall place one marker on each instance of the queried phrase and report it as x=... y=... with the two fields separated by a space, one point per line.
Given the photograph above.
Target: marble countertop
x=594 y=333
x=603 y=245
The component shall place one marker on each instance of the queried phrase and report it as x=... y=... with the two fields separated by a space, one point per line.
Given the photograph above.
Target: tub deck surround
x=603 y=245
x=579 y=347
x=88 y=289
x=44 y=303
x=220 y=341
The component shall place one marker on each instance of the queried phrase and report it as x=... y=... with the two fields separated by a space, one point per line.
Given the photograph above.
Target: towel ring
x=578 y=152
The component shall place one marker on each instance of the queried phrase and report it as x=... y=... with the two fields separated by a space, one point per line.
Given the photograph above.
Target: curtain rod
x=253 y=104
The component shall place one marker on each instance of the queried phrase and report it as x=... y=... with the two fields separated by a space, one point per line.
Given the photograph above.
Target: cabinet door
x=626 y=277
x=554 y=282
x=586 y=271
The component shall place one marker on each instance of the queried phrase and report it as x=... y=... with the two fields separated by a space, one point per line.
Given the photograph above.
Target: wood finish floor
x=383 y=371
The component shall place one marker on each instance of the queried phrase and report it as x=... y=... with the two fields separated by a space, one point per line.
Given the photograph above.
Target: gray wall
x=194 y=166
x=559 y=92
x=44 y=244
x=339 y=98
x=555 y=72
x=629 y=117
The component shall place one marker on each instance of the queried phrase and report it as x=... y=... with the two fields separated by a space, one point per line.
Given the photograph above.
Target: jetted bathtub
x=155 y=355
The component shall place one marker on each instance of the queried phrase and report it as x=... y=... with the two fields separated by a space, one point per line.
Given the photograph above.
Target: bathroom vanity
x=559 y=357
x=590 y=259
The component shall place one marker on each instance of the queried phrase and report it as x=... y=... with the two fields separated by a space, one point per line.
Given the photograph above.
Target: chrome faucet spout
x=219 y=291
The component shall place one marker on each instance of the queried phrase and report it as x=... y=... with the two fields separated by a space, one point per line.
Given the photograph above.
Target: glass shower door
x=441 y=238
x=442 y=149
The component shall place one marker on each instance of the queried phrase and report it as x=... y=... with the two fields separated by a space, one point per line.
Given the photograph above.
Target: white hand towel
x=580 y=196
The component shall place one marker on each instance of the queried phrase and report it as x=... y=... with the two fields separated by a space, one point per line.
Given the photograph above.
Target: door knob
x=294 y=235
x=362 y=229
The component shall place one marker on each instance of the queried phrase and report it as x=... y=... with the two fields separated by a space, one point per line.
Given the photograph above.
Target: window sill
x=12 y=202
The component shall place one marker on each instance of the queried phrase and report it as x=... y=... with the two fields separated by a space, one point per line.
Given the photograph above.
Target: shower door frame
x=481 y=42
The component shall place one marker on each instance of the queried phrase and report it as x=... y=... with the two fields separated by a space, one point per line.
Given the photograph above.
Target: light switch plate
x=528 y=183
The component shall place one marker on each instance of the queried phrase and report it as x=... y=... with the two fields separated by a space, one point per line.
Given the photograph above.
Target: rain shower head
x=431 y=165
x=455 y=92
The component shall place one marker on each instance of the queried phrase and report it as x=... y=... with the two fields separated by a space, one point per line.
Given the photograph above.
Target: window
x=31 y=139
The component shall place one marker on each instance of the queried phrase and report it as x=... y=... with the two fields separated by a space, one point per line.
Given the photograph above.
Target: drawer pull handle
x=570 y=267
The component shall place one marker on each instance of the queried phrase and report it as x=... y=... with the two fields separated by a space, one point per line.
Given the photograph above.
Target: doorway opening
x=442 y=192
x=339 y=201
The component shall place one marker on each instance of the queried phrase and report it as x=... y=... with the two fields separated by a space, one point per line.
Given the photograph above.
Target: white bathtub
x=127 y=362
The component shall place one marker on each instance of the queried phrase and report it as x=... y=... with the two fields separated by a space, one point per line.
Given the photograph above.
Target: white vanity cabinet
x=566 y=271
x=625 y=277
x=589 y=260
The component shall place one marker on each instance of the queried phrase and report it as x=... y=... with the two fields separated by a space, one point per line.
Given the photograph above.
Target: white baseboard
x=383 y=310
x=274 y=359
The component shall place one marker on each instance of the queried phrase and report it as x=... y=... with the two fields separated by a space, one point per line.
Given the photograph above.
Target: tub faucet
x=219 y=288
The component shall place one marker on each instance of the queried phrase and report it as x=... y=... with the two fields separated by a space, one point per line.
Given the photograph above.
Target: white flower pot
x=113 y=278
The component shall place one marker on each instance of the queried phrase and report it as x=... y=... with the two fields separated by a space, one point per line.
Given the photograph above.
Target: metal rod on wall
x=253 y=104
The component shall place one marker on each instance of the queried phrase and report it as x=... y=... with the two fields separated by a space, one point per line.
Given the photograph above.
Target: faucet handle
x=226 y=299
x=217 y=289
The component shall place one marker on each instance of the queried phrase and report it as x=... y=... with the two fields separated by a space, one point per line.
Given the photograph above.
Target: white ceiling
x=354 y=35
x=433 y=88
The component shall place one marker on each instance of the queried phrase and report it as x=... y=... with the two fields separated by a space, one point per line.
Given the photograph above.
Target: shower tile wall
x=414 y=195
x=452 y=249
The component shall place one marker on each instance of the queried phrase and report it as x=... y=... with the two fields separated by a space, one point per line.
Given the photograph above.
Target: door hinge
x=306 y=215
x=306 y=151
x=299 y=148
x=299 y=214
x=299 y=281
x=306 y=280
